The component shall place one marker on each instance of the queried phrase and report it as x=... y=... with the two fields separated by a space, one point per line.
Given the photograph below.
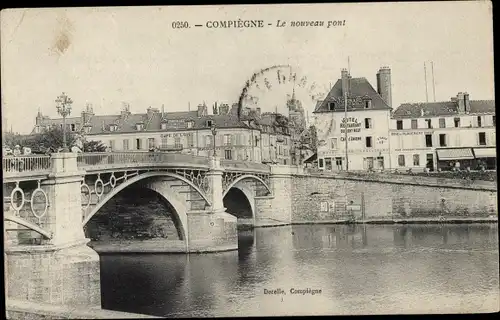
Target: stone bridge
x=49 y=200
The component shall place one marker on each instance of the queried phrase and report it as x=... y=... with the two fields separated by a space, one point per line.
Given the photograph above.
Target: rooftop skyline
x=109 y=55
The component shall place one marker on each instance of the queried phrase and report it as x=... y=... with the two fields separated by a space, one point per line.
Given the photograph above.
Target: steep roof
x=444 y=108
x=359 y=90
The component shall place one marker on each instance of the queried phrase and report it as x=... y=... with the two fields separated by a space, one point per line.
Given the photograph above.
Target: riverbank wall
x=344 y=198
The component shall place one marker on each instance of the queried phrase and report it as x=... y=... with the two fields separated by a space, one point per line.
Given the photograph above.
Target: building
x=188 y=132
x=366 y=120
x=437 y=135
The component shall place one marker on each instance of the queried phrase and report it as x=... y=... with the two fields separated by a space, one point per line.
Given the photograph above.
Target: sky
x=107 y=56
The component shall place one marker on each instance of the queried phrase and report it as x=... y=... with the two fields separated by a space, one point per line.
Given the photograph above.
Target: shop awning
x=311 y=158
x=485 y=152
x=455 y=154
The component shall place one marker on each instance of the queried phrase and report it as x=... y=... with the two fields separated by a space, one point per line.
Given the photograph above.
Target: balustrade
x=33 y=163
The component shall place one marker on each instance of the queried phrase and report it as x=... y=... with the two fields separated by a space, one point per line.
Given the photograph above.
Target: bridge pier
x=61 y=269
x=213 y=229
x=276 y=210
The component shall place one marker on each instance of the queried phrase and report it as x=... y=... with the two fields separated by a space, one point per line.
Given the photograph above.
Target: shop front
x=458 y=158
x=485 y=157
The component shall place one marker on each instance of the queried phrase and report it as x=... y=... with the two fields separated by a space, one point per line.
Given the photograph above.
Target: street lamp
x=214 y=133
x=64 y=109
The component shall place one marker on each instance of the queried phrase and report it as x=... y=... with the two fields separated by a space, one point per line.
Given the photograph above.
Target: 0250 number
x=180 y=25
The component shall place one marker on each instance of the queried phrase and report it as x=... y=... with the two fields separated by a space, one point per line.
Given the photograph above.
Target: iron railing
x=32 y=163
x=114 y=159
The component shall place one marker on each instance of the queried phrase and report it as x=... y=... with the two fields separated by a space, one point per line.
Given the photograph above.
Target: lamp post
x=64 y=109
x=214 y=133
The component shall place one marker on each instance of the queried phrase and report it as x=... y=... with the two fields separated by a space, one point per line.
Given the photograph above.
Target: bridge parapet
x=113 y=160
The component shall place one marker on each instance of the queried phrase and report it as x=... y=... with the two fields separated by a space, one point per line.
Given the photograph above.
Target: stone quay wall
x=330 y=198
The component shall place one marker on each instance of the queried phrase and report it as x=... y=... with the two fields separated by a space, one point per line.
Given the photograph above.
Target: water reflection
x=360 y=269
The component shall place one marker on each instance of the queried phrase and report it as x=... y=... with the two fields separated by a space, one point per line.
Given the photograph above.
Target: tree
x=93 y=146
x=51 y=138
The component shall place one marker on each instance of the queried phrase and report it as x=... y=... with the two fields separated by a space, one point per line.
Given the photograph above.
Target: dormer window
x=368 y=104
x=139 y=126
x=164 y=126
x=87 y=129
x=209 y=123
x=72 y=127
x=331 y=106
x=190 y=124
x=113 y=127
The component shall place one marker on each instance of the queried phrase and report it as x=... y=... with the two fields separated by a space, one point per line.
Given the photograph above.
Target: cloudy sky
x=105 y=56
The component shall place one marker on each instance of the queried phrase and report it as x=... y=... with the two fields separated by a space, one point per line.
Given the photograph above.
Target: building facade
x=441 y=135
x=356 y=136
x=248 y=139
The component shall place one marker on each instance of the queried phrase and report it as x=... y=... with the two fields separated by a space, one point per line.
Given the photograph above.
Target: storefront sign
x=176 y=134
x=408 y=133
x=350 y=138
x=381 y=140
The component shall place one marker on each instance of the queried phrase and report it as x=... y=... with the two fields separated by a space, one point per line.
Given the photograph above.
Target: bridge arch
x=239 y=201
x=166 y=193
x=246 y=177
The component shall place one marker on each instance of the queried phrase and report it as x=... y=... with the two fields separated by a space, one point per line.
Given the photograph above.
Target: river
x=360 y=269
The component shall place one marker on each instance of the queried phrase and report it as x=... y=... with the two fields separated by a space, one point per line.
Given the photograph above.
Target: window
x=177 y=142
x=442 y=123
x=368 y=142
x=37 y=129
x=139 y=126
x=414 y=124
x=493 y=118
x=368 y=104
x=228 y=154
x=399 y=124
x=73 y=127
x=190 y=124
x=227 y=139
x=320 y=163
x=138 y=144
x=401 y=160
x=125 y=144
x=112 y=144
x=209 y=123
x=208 y=141
x=163 y=125
x=151 y=143
x=333 y=143
x=482 y=138
x=416 y=160
x=256 y=141
x=442 y=140
x=338 y=162
x=428 y=140
x=331 y=106
x=457 y=122
x=429 y=123
x=368 y=123
x=190 y=140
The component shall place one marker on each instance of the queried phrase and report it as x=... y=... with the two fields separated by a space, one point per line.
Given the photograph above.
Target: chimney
x=224 y=109
x=461 y=102
x=151 y=111
x=345 y=81
x=257 y=111
x=87 y=114
x=466 y=102
x=384 y=85
x=202 y=110
x=125 y=110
